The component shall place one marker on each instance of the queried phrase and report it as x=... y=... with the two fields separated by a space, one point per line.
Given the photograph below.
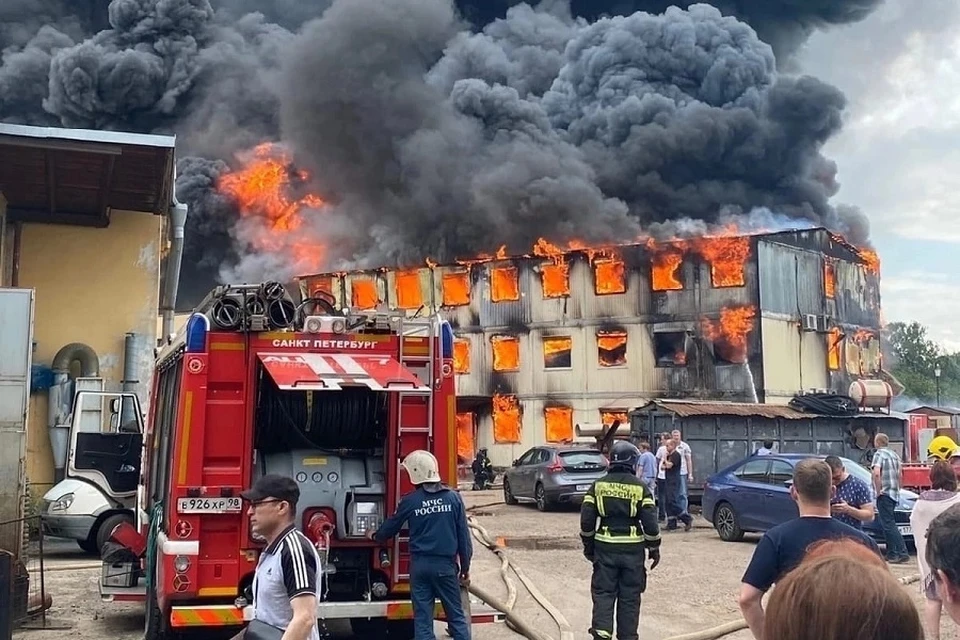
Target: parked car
x=753 y=495
x=551 y=475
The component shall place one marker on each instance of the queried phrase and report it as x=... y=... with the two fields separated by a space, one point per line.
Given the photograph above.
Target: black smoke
x=443 y=130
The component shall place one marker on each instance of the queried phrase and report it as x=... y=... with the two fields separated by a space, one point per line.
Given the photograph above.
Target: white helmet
x=422 y=467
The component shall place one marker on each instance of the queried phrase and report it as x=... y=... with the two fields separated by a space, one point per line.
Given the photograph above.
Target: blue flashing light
x=446 y=339
x=197 y=327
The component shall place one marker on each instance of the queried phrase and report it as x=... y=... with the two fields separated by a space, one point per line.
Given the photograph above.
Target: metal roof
x=76 y=176
x=687 y=408
x=943 y=411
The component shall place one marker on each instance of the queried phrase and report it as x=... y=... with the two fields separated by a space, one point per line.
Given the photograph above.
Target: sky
x=899 y=152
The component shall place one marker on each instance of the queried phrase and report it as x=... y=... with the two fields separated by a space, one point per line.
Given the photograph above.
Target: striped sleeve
x=298 y=563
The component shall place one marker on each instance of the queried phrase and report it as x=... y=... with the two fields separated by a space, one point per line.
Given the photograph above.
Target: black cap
x=273 y=486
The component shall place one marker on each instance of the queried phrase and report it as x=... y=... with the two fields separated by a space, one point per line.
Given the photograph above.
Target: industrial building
x=556 y=338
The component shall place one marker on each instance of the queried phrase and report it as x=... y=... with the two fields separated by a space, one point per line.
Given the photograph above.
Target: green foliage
x=915 y=360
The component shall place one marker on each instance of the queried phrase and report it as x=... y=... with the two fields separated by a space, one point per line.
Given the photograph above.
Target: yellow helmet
x=941 y=447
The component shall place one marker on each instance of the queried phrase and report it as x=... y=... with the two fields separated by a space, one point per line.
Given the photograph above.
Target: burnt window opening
x=665 y=272
x=456 y=288
x=364 y=294
x=466 y=436
x=609 y=277
x=504 y=284
x=507 y=420
x=557 y=352
x=461 y=355
x=612 y=348
x=670 y=348
x=558 y=424
x=506 y=353
x=834 y=342
x=409 y=292
x=608 y=416
x=829 y=279
x=555 y=279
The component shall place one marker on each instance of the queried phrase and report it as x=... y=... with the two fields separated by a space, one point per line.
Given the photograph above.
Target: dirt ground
x=694 y=587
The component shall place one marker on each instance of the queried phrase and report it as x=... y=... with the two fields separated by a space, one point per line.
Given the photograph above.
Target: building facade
x=559 y=338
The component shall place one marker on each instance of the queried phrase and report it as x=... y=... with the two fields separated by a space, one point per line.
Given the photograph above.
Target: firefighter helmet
x=624 y=454
x=422 y=467
x=941 y=448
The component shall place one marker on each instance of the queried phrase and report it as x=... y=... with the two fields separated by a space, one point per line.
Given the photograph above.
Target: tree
x=913 y=360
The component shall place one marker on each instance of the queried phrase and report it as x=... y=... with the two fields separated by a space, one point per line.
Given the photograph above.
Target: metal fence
x=23 y=577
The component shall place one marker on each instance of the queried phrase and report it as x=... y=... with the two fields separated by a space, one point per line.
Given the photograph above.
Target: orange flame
x=557 y=352
x=870 y=259
x=409 y=293
x=730 y=335
x=834 y=339
x=364 y=293
x=507 y=419
x=456 y=288
x=666 y=262
x=461 y=355
x=554 y=275
x=829 y=279
x=465 y=439
x=727 y=255
x=506 y=353
x=261 y=189
x=612 y=348
x=609 y=277
x=863 y=336
x=607 y=418
x=558 y=423
x=504 y=285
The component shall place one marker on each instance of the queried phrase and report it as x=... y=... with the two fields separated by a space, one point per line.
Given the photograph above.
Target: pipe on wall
x=168 y=301
x=15 y=263
x=61 y=397
x=132 y=346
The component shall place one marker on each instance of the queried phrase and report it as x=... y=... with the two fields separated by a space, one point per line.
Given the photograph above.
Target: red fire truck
x=257 y=384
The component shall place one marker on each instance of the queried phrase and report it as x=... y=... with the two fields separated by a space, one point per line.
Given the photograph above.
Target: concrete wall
x=92 y=286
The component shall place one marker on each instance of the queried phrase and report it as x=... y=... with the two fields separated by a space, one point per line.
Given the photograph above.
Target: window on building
x=456 y=288
x=612 y=348
x=609 y=276
x=506 y=353
x=461 y=355
x=558 y=423
x=555 y=279
x=507 y=420
x=466 y=436
x=665 y=273
x=557 y=352
x=504 y=284
x=364 y=294
x=409 y=293
x=834 y=341
x=829 y=279
x=607 y=416
x=670 y=348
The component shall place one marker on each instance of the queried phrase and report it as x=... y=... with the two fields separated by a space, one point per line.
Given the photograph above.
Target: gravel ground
x=694 y=587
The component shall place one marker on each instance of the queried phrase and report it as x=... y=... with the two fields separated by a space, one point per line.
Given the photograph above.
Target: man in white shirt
x=662 y=478
x=686 y=468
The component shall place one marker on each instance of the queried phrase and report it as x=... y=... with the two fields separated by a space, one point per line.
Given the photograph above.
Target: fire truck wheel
x=369 y=627
x=508 y=496
x=155 y=625
x=400 y=630
x=107 y=526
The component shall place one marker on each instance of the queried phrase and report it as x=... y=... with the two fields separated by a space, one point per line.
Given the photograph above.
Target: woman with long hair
x=942 y=496
x=841 y=591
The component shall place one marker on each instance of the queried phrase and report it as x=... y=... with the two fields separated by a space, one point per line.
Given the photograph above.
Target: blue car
x=753 y=495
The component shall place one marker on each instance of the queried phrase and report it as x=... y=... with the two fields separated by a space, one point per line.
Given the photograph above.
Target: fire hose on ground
x=522 y=627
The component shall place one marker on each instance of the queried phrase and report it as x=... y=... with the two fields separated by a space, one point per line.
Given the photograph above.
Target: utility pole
x=936 y=374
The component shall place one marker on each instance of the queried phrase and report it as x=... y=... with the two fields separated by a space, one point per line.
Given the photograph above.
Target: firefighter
x=482 y=471
x=941 y=448
x=440 y=546
x=618 y=546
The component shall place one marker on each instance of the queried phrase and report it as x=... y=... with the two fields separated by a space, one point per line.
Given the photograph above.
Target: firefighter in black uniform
x=618 y=546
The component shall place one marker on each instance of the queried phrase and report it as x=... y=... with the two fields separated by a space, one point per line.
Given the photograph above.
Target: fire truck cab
x=254 y=384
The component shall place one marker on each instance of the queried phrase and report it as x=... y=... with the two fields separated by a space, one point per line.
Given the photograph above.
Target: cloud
x=931 y=298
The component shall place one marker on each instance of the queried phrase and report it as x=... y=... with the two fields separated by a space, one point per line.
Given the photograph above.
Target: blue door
x=778 y=505
x=747 y=495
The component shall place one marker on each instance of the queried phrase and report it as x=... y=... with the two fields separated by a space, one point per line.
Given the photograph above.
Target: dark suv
x=553 y=474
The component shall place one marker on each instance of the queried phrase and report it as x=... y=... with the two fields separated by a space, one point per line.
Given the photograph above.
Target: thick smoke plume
x=443 y=130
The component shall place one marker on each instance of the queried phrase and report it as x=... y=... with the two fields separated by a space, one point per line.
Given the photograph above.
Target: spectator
x=782 y=547
x=852 y=503
x=886 y=482
x=672 y=466
x=662 y=478
x=686 y=469
x=766 y=449
x=943 y=557
x=844 y=547
x=647 y=468
x=932 y=503
x=838 y=596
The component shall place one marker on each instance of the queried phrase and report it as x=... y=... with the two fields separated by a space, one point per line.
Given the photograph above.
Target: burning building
x=582 y=335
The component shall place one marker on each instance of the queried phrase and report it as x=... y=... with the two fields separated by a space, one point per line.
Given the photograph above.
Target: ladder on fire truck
x=423 y=365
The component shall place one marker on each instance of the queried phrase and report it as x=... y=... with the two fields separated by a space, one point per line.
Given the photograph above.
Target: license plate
x=209 y=505
x=583 y=487
x=905 y=530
